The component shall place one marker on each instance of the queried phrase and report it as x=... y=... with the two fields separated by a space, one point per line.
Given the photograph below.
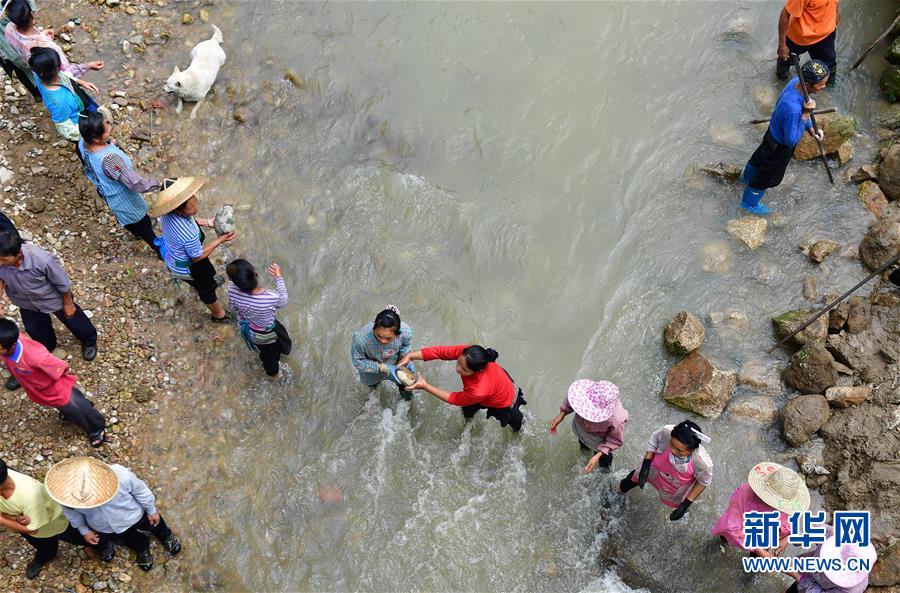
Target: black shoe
x=783 y=69
x=34 y=568
x=108 y=551
x=144 y=559
x=605 y=461
x=172 y=545
x=226 y=319
x=89 y=353
x=12 y=383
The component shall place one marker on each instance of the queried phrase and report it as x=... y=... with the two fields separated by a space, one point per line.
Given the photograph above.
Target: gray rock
x=811 y=370
x=809 y=288
x=760 y=374
x=684 y=333
x=6 y=176
x=224 y=222
x=717 y=257
x=882 y=242
x=815 y=333
x=761 y=408
x=859 y=314
x=822 y=249
x=802 y=417
x=889 y=173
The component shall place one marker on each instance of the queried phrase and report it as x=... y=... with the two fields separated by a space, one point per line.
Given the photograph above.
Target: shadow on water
x=514 y=174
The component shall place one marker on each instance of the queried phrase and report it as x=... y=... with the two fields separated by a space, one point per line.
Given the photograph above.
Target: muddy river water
x=513 y=174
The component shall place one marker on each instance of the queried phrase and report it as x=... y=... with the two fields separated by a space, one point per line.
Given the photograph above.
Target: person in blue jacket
x=790 y=119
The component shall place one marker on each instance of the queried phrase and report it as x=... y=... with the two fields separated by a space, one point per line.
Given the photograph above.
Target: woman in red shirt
x=486 y=384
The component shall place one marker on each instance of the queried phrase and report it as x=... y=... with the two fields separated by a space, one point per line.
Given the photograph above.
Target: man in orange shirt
x=808 y=26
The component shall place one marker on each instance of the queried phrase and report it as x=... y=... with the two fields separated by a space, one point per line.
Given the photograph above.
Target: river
x=512 y=174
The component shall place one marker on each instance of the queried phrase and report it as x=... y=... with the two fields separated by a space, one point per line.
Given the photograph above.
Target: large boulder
x=749 y=230
x=890 y=82
x=886 y=571
x=802 y=417
x=882 y=243
x=760 y=374
x=893 y=52
x=694 y=384
x=844 y=397
x=889 y=173
x=684 y=333
x=859 y=314
x=872 y=198
x=838 y=129
x=815 y=333
x=811 y=370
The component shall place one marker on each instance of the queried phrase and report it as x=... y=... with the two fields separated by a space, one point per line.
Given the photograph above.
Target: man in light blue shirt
x=123 y=519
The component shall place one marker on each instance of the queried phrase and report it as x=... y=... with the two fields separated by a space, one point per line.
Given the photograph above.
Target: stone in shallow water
x=749 y=230
x=717 y=257
x=694 y=384
x=224 y=222
x=761 y=408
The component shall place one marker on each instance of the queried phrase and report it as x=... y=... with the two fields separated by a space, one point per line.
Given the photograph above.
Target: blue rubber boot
x=751 y=201
x=747 y=175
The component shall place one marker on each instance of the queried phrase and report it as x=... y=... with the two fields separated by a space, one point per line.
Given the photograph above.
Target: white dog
x=194 y=83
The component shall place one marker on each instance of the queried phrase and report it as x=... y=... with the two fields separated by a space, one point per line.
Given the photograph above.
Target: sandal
x=98 y=440
x=228 y=318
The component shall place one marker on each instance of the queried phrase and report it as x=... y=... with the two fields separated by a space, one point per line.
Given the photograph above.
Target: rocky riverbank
x=145 y=355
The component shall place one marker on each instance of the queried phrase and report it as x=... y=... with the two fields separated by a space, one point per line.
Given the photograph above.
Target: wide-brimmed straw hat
x=595 y=401
x=176 y=194
x=81 y=483
x=779 y=487
x=846 y=578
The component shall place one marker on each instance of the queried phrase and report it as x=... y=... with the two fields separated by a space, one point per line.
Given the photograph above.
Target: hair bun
x=393 y=309
x=492 y=354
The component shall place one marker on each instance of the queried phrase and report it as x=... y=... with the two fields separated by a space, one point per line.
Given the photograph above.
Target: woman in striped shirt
x=185 y=255
x=255 y=307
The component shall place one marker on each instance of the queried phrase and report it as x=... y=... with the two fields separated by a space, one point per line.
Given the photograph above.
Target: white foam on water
x=610 y=583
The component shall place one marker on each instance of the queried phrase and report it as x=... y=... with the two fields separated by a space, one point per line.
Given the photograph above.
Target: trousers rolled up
x=45 y=548
x=134 y=538
x=39 y=327
x=81 y=411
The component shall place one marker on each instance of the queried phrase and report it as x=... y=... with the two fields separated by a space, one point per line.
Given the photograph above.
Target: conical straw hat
x=81 y=483
x=779 y=487
x=176 y=194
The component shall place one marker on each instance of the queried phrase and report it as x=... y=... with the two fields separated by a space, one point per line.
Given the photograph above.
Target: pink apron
x=671 y=485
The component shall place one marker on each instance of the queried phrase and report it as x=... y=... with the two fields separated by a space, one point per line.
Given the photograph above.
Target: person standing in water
x=676 y=464
x=255 y=307
x=791 y=117
x=377 y=348
x=486 y=384
x=599 y=420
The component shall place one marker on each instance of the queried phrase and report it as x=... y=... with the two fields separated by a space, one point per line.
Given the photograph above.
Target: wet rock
x=810 y=466
x=864 y=173
x=294 y=78
x=726 y=134
x=837 y=317
x=838 y=129
x=893 y=53
x=860 y=352
x=204 y=15
x=765 y=97
x=859 y=314
x=809 y=288
x=882 y=243
x=844 y=397
x=815 y=333
x=749 y=230
x=734 y=320
x=717 y=257
x=329 y=493
x=822 y=249
x=224 y=221
x=761 y=408
x=886 y=571
x=187 y=19
x=35 y=204
x=889 y=172
x=694 y=384
x=811 y=370
x=873 y=198
x=802 y=417
x=760 y=374
x=684 y=333
x=890 y=82
x=238 y=116
x=844 y=154
x=727 y=171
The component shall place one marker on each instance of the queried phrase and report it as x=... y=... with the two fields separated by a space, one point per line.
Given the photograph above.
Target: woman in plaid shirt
x=378 y=346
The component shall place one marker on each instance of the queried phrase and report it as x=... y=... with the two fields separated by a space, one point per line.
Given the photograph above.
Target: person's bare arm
x=783 y=20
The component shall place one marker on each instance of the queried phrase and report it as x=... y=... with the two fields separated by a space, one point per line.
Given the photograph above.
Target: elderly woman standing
x=22 y=36
x=486 y=384
x=255 y=307
x=63 y=95
x=112 y=173
x=377 y=348
x=12 y=62
x=599 y=420
x=185 y=256
x=676 y=464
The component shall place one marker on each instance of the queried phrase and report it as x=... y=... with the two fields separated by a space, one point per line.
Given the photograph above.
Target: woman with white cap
x=108 y=504
x=831 y=580
x=183 y=251
x=770 y=487
x=676 y=464
x=599 y=420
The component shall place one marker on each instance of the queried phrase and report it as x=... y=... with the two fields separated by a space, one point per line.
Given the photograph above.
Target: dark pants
x=895 y=277
x=82 y=412
x=270 y=354
x=39 y=327
x=23 y=77
x=768 y=163
x=203 y=279
x=605 y=459
x=823 y=50
x=45 y=548
x=133 y=538
x=143 y=229
x=511 y=416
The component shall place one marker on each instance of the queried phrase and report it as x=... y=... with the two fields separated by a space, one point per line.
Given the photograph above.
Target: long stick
x=832 y=305
x=796 y=60
x=816 y=112
x=876 y=42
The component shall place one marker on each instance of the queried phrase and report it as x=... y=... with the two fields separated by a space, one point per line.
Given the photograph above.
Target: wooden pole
x=796 y=60
x=874 y=43
x=816 y=112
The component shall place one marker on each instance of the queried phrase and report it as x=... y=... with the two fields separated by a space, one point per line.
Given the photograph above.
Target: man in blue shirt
x=790 y=119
